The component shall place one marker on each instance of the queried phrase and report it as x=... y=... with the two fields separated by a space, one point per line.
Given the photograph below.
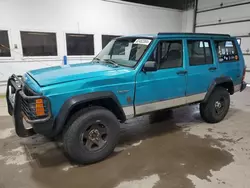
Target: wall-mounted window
x=38 y=43
x=4 y=44
x=80 y=44
x=107 y=38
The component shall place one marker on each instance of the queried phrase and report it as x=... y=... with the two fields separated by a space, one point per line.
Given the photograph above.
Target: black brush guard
x=20 y=106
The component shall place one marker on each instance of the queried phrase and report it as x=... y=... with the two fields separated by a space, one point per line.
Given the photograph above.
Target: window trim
x=11 y=57
x=90 y=57
x=182 y=53
x=229 y=61
x=211 y=49
x=56 y=57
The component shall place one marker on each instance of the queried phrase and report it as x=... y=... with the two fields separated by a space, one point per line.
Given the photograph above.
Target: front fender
x=72 y=102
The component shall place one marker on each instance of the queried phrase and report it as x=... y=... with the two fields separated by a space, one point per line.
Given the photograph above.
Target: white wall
x=188 y=20
x=235 y=13
x=77 y=16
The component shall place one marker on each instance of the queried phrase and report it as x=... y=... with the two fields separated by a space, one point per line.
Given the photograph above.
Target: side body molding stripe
x=145 y=108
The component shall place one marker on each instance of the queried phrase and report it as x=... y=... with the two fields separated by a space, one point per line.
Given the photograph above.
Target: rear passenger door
x=201 y=66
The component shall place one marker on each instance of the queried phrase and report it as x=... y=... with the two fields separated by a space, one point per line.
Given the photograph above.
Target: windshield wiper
x=96 y=58
x=111 y=61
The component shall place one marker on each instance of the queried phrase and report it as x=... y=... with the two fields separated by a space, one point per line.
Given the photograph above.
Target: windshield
x=124 y=51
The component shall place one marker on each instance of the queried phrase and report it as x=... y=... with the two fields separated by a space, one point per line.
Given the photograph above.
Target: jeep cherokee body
x=131 y=76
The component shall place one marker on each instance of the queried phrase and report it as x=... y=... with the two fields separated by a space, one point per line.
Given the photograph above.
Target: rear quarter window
x=226 y=51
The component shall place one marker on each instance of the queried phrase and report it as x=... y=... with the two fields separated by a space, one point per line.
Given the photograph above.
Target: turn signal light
x=40 y=107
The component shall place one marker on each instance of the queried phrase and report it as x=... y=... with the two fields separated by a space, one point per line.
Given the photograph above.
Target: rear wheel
x=92 y=135
x=216 y=107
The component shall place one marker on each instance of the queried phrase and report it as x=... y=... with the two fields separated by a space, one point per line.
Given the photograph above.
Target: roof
x=214 y=35
x=140 y=36
x=168 y=34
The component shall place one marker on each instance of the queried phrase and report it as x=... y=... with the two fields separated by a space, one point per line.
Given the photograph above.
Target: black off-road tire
x=77 y=126
x=208 y=109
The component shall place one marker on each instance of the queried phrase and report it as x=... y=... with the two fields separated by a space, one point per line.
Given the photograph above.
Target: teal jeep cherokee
x=131 y=76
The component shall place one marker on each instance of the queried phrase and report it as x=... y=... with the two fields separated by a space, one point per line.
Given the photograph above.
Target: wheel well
x=228 y=85
x=107 y=103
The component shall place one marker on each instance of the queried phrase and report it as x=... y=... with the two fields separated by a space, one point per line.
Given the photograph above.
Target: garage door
x=226 y=16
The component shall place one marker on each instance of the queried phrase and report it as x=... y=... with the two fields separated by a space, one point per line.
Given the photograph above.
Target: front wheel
x=216 y=108
x=92 y=135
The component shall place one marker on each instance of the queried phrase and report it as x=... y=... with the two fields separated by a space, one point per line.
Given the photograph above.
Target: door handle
x=182 y=72
x=212 y=68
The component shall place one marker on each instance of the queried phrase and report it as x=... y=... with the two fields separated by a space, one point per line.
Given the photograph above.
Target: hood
x=61 y=74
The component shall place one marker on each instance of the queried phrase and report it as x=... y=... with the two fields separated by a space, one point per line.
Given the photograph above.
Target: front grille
x=28 y=109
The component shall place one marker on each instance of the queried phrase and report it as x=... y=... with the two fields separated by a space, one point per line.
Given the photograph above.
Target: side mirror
x=150 y=66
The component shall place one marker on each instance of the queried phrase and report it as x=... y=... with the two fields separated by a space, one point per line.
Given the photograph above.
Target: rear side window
x=226 y=51
x=199 y=52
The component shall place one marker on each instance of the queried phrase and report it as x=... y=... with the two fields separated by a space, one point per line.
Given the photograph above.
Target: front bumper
x=20 y=103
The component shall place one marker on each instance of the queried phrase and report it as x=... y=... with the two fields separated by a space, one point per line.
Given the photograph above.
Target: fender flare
x=81 y=99
x=216 y=82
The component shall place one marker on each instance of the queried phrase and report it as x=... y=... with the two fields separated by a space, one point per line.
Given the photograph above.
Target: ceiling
x=175 y=4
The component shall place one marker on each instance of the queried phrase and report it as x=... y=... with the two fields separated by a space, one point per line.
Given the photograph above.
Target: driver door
x=165 y=87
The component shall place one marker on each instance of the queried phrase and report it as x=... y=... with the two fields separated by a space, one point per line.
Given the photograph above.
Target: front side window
x=4 y=44
x=169 y=54
x=199 y=52
x=80 y=44
x=124 y=51
x=38 y=43
x=226 y=51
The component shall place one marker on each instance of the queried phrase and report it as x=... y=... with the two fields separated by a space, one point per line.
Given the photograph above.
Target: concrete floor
x=180 y=151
